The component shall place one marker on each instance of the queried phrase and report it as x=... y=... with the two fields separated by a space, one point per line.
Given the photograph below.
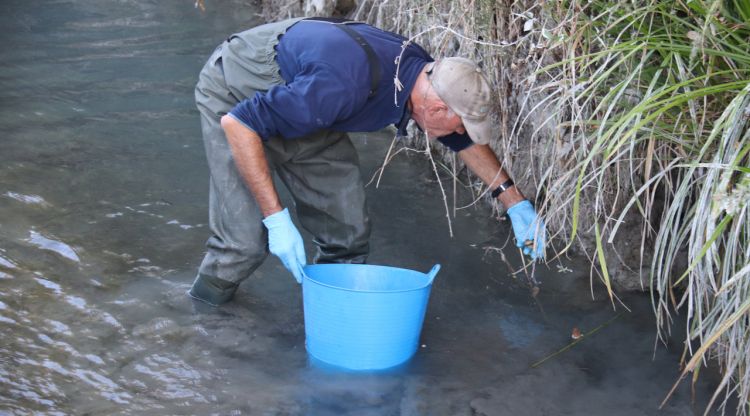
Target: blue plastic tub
x=364 y=317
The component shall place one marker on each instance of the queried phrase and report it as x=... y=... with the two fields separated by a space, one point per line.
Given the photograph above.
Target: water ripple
x=177 y=378
x=7 y=320
x=58 y=247
x=7 y=263
x=77 y=302
x=49 y=284
x=27 y=199
x=128 y=22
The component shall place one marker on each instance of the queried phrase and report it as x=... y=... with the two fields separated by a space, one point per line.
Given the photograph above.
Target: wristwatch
x=502 y=188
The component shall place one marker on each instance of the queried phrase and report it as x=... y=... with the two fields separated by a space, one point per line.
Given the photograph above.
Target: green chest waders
x=320 y=171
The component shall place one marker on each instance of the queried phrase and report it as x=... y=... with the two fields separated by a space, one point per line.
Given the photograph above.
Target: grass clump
x=662 y=96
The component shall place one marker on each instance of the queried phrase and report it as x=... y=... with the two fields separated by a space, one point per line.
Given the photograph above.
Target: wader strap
x=372 y=58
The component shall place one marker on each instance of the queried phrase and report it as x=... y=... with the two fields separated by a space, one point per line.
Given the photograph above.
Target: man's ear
x=437 y=108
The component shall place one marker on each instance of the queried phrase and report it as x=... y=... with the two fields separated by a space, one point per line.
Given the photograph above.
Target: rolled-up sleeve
x=315 y=99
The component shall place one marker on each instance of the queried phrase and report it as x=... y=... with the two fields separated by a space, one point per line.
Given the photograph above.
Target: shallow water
x=103 y=204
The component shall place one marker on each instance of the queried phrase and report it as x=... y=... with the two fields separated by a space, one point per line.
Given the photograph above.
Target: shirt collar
x=403 y=123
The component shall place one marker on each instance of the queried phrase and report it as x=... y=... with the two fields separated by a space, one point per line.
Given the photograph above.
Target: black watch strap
x=502 y=188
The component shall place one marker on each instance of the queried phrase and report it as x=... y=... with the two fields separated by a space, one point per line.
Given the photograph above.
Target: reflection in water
x=103 y=189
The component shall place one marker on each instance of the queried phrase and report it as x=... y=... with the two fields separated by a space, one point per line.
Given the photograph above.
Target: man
x=280 y=98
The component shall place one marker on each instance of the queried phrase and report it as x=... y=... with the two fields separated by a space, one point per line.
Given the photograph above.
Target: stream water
x=103 y=206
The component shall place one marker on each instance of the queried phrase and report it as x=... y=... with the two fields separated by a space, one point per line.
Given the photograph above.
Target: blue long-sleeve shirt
x=328 y=81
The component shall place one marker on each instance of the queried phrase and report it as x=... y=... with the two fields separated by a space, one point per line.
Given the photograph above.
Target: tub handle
x=431 y=274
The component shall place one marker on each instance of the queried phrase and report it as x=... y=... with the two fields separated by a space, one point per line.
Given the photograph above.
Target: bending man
x=281 y=98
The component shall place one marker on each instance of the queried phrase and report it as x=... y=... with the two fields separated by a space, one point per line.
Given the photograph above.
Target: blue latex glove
x=285 y=242
x=528 y=228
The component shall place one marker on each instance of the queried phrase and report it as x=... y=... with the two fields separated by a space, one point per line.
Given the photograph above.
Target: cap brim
x=480 y=131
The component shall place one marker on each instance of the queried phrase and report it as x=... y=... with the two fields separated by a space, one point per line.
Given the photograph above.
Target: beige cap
x=463 y=87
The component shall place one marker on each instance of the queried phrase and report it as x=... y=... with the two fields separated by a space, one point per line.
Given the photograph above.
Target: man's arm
x=250 y=159
x=481 y=159
x=284 y=240
x=528 y=228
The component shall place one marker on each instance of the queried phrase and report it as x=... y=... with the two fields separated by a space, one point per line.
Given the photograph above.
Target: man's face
x=437 y=120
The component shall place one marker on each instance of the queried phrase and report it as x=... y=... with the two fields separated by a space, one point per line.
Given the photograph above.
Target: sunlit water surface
x=103 y=205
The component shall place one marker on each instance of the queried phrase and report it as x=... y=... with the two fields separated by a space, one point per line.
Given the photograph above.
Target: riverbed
x=103 y=211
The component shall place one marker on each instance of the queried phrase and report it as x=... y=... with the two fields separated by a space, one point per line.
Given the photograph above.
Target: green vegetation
x=662 y=96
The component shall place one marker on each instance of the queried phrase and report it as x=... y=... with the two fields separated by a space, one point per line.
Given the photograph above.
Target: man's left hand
x=528 y=228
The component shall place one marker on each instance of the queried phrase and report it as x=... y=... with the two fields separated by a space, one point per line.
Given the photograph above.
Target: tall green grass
x=658 y=93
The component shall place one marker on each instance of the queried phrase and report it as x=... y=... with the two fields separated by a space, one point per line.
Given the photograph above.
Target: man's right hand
x=285 y=242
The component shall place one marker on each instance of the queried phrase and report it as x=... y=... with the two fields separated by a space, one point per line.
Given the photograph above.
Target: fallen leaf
x=576 y=333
